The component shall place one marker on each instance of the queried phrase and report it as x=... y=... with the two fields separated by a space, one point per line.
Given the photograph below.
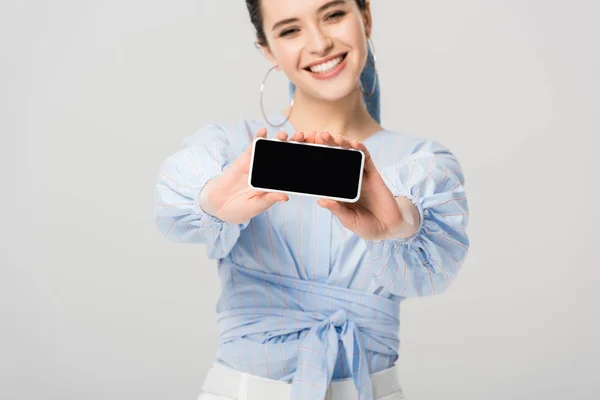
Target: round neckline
x=288 y=124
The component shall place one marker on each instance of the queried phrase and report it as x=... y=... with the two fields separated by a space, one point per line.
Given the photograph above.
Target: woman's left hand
x=377 y=214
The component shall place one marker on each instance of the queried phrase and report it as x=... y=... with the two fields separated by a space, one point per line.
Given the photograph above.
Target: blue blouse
x=304 y=299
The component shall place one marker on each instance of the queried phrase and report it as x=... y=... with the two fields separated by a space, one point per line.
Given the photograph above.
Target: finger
x=338 y=209
x=319 y=138
x=328 y=139
x=281 y=135
x=369 y=164
x=264 y=200
x=262 y=132
x=361 y=146
x=310 y=137
x=245 y=156
x=344 y=143
x=298 y=136
x=275 y=197
x=243 y=161
x=255 y=194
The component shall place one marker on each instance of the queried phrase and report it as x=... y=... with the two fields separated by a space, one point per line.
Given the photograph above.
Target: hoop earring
x=372 y=47
x=262 y=108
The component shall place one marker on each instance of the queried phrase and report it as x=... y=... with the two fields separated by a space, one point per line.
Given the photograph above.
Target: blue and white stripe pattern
x=303 y=299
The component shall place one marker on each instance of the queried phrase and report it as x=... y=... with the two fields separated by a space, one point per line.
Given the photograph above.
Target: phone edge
x=345 y=200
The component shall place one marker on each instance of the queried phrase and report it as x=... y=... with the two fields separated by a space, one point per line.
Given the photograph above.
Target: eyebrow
x=321 y=9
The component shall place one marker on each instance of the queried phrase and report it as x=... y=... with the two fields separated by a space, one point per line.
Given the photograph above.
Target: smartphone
x=306 y=169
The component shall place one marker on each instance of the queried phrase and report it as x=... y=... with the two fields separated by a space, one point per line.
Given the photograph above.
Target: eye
x=336 y=15
x=288 y=32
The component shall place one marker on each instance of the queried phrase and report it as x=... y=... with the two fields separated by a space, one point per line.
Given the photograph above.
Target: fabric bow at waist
x=321 y=316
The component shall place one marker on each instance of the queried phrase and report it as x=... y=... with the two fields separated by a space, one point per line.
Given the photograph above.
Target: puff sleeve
x=427 y=262
x=181 y=177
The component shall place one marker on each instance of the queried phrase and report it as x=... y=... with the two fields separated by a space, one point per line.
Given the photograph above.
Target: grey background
x=95 y=304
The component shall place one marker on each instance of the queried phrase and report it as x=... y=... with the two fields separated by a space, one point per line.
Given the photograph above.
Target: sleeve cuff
x=205 y=218
x=420 y=211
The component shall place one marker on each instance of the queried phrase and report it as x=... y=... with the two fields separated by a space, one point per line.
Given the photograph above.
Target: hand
x=229 y=197
x=376 y=215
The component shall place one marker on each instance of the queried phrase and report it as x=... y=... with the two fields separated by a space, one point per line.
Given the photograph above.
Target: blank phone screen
x=304 y=168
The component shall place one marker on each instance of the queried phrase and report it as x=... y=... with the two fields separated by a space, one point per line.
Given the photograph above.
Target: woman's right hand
x=230 y=198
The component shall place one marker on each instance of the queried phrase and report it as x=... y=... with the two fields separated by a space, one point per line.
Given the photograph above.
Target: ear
x=268 y=54
x=367 y=19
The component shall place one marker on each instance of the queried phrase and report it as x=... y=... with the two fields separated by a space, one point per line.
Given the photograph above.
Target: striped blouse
x=303 y=299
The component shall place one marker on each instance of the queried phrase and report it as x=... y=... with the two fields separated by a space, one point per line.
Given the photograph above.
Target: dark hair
x=256 y=18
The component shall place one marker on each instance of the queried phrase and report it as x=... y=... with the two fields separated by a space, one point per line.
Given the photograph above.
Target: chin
x=334 y=94
x=333 y=91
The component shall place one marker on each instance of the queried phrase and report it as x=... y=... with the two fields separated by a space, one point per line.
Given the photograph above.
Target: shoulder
x=406 y=143
x=401 y=153
x=234 y=133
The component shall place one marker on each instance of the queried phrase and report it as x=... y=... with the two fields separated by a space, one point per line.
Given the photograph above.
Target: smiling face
x=321 y=45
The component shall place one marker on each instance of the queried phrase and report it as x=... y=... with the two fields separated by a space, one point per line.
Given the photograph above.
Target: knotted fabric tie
x=315 y=318
x=318 y=353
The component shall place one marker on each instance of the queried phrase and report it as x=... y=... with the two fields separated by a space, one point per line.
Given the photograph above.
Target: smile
x=327 y=66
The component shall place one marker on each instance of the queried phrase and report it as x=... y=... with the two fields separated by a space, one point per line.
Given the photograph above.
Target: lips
x=327 y=64
x=328 y=70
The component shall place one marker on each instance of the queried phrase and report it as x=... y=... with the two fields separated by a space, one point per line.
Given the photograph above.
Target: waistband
x=329 y=321
x=227 y=382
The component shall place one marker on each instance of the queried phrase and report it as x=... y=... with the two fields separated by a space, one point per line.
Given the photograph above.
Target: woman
x=311 y=288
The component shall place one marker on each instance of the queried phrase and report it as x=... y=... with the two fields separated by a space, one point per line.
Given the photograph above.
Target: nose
x=319 y=43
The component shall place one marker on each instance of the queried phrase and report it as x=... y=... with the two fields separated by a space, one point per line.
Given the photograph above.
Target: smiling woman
x=311 y=288
x=336 y=48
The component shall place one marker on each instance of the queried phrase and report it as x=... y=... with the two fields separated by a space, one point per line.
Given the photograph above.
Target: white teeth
x=327 y=66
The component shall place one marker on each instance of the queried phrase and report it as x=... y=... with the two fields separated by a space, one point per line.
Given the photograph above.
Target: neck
x=347 y=117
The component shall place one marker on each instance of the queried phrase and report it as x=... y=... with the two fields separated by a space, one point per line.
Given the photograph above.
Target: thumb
x=265 y=200
x=243 y=160
x=337 y=209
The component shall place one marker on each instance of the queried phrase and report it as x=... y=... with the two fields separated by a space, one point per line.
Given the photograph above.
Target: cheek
x=288 y=57
x=352 y=34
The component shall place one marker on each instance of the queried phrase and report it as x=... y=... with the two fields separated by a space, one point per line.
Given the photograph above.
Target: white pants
x=224 y=383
